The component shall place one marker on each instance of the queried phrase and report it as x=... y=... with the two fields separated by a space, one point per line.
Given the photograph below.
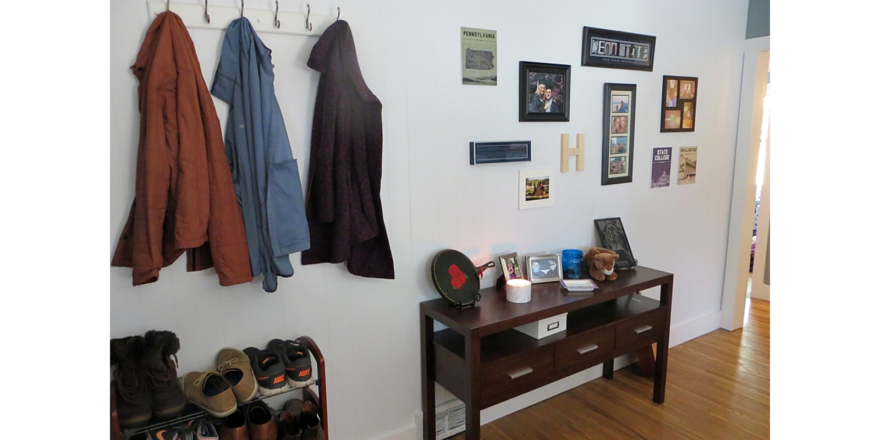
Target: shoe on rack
x=235 y=366
x=234 y=426
x=204 y=430
x=297 y=361
x=288 y=426
x=133 y=407
x=261 y=421
x=167 y=398
x=210 y=392
x=310 y=421
x=172 y=433
x=268 y=370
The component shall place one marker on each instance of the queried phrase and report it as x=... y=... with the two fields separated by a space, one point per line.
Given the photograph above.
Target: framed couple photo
x=544 y=91
x=544 y=268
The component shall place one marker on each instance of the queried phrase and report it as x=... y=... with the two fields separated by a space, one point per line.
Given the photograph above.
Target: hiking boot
x=167 y=398
x=235 y=367
x=210 y=392
x=261 y=421
x=133 y=407
x=234 y=426
x=297 y=362
x=268 y=370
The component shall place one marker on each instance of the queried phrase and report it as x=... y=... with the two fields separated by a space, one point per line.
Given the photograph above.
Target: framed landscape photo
x=613 y=237
x=536 y=188
x=618 y=122
x=678 y=110
x=617 y=50
x=544 y=91
x=544 y=268
x=510 y=267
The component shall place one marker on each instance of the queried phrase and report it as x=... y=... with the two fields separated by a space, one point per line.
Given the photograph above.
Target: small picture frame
x=544 y=91
x=612 y=236
x=544 y=268
x=679 y=107
x=510 y=267
x=618 y=120
x=537 y=188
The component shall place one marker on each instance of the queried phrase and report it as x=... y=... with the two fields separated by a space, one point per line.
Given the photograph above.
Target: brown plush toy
x=600 y=261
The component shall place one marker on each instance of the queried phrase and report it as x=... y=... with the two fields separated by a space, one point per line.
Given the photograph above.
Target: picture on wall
x=618 y=120
x=687 y=165
x=679 y=107
x=536 y=188
x=661 y=169
x=479 y=56
x=544 y=91
x=617 y=50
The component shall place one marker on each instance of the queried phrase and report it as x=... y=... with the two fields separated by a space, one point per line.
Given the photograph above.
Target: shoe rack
x=192 y=412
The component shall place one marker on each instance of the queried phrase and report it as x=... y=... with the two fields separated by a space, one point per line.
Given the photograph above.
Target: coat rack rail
x=263 y=20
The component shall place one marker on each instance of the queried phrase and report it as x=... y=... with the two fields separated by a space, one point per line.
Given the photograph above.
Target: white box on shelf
x=545 y=327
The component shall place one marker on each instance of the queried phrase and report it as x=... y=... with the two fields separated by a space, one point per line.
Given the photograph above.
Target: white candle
x=519 y=291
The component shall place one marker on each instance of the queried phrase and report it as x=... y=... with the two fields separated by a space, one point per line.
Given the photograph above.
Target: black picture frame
x=494 y=152
x=617 y=49
x=618 y=133
x=678 y=107
x=612 y=236
x=532 y=76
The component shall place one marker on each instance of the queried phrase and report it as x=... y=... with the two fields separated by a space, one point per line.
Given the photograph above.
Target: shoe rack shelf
x=117 y=433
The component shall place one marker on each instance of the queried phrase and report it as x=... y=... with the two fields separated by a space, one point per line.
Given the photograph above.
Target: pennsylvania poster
x=687 y=165
x=661 y=167
x=479 y=57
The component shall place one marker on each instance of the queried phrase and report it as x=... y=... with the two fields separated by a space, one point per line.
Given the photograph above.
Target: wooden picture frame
x=678 y=108
x=618 y=138
x=550 y=80
x=612 y=236
x=544 y=268
x=513 y=260
x=617 y=50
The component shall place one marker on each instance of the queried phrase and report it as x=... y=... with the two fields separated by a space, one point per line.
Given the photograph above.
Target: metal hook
x=168 y=5
x=207 y=17
x=338 y=12
x=277 y=21
x=308 y=25
x=242 y=8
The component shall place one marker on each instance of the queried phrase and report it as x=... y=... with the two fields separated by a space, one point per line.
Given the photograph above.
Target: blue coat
x=265 y=174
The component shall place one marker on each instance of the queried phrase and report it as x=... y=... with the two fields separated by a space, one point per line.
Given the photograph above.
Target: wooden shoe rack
x=308 y=394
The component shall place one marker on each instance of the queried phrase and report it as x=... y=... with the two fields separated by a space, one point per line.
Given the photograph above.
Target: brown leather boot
x=132 y=393
x=234 y=426
x=166 y=394
x=310 y=422
x=261 y=421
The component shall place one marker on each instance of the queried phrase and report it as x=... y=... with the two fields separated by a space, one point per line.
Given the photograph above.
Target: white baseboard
x=694 y=328
x=405 y=433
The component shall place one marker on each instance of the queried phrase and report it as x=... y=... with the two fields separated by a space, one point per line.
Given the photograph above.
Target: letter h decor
x=579 y=152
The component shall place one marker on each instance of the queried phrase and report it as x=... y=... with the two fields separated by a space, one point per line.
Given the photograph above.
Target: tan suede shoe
x=235 y=367
x=210 y=392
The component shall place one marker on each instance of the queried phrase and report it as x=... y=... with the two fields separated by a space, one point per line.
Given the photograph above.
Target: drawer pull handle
x=588 y=349
x=641 y=330
x=520 y=373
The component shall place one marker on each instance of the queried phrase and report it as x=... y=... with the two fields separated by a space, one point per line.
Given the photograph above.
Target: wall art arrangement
x=510 y=267
x=687 y=165
x=679 y=106
x=536 y=188
x=661 y=168
x=618 y=122
x=613 y=236
x=544 y=268
x=492 y=152
x=617 y=50
x=479 y=56
x=544 y=91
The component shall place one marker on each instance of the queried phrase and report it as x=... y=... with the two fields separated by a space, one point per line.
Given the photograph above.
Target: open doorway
x=759 y=264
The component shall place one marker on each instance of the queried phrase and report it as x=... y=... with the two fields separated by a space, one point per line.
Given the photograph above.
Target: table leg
x=663 y=346
x=472 y=414
x=429 y=410
x=608 y=369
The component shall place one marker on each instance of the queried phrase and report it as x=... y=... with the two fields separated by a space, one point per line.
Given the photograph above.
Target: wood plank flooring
x=717 y=388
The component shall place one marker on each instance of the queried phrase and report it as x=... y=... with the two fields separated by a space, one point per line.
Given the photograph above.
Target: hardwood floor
x=718 y=387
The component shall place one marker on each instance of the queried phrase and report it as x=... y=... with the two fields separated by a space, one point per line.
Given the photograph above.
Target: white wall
x=409 y=53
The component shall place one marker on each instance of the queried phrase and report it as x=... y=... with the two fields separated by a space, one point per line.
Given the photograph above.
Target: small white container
x=545 y=327
x=519 y=291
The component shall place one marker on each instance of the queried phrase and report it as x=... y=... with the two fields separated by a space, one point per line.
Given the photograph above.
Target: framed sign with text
x=617 y=50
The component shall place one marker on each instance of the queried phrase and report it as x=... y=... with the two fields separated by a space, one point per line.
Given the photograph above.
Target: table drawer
x=586 y=349
x=516 y=374
x=640 y=330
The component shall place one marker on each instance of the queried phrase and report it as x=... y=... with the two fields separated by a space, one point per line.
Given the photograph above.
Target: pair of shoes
x=281 y=366
x=219 y=390
x=300 y=421
x=256 y=421
x=146 y=378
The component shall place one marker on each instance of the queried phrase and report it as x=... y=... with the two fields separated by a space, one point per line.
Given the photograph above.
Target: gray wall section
x=759 y=19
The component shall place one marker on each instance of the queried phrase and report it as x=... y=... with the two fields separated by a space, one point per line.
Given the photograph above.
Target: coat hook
x=168 y=5
x=308 y=25
x=277 y=21
x=207 y=17
x=242 y=8
x=338 y=12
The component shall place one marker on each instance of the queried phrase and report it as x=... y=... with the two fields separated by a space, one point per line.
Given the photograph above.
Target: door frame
x=756 y=62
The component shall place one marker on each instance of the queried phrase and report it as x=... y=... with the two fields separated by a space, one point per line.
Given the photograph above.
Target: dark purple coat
x=345 y=167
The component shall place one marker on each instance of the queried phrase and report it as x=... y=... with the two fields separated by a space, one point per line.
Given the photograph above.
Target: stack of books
x=579 y=285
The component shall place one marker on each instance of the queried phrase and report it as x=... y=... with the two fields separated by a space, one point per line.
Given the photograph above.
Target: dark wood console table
x=483 y=361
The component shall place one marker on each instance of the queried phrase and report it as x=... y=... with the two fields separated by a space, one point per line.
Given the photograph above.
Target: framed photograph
x=617 y=50
x=618 y=120
x=544 y=91
x=544 y=268
x=479 y=56
x=613 y=237
x=510 y=267
x=536 y=188
x=679 y=107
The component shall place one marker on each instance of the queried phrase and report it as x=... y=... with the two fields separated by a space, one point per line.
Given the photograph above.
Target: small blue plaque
x=491 y=152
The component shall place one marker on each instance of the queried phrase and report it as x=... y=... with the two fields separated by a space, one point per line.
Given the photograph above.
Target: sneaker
x=235 y=366
x=173 y=433
x=297 y=361
x=204 y=430
x=268 y=370
x=210 y=392
x=167 y=398
x=133 y=403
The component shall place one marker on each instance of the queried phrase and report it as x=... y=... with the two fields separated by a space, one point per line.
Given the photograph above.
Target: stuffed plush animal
x=600 y=261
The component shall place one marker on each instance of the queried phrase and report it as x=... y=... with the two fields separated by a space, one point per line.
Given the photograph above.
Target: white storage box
x=545 y=327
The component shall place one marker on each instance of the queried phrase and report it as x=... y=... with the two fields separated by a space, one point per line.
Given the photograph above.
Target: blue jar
x=571 y=263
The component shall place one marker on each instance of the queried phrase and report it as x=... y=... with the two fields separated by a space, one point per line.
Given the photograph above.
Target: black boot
x=132 y=394
x=168 y=400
